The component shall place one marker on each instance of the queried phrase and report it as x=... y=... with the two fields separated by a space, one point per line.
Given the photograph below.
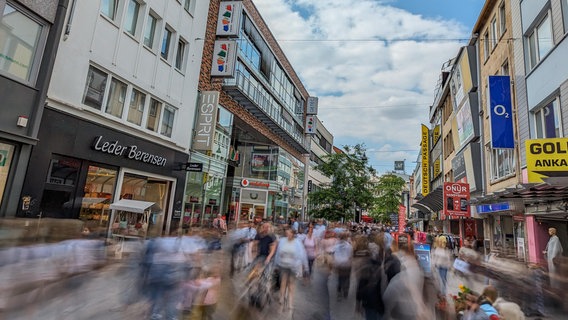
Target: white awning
x=131 y=205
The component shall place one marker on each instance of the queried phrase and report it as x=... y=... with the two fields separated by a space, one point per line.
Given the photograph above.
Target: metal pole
x=305 y=190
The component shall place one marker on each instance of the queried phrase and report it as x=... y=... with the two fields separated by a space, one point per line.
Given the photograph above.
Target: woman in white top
x=442 y=261
x=310 y=244
x=290 y=258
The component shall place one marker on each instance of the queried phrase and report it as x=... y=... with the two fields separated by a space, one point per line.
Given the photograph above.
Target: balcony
x=256 y=100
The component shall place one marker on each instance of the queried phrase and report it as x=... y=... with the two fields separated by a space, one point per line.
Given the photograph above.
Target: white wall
x=95 y=39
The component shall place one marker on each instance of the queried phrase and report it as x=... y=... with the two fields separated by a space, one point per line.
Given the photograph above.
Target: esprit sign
x=128 y=151
x=456 y=199
x=206 y=120
x=546 y=158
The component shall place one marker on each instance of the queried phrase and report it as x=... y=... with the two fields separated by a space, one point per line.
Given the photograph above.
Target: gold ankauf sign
x=546 y=158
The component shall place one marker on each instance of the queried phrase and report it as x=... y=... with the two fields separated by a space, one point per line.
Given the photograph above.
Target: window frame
x=151 y=17
x=171 y=124
x=167 y=30
x=486 y=50
x=502 y=19
x=189 y=6
x=564 y=8
x=117 y=10
x=135 y=18
x=40 y=44
x=135 y=91
x=533 y=41
x=181 y=65
x=104 y=89
x=494 y=32
x=503 y=163
x=120 y=97
x=539 y=119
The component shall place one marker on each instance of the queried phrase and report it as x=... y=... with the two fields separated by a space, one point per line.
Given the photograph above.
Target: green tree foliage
x=350 y=188
x=388 y=195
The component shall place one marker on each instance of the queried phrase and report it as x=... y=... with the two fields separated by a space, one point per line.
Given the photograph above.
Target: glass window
x=6 y=155
x=166 y=40
x=547 y=121
x=131 y=18
x=486 y=45
x=154 y=113
x=540 y=42
x=565 y=14
x=187 y=5
x=180 y=55
x=95 y=88
x=494 y=34
x=109 y=8
x=502 y=163
x=98 y=191
x=136 y=110
x=116 y=97
x=168 y=121
x=150 y=31
x=19 y=44
x=502 y=19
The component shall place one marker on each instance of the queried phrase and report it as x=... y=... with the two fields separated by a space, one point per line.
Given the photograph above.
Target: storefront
x=7 y=151
x=79 y=169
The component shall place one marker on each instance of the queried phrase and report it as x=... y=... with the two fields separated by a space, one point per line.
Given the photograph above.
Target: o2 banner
x=501 y=113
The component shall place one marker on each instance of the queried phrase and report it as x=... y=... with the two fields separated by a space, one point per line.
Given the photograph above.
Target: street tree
x=350 y=189
x=388 y=196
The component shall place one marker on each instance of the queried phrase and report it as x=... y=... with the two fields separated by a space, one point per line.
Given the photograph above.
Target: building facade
x=119 y=114
x=244 y=65
x=29 y=39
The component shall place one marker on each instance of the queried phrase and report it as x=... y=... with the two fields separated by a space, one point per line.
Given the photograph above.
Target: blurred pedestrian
x=342 y=260
x=553 y=253
x=290 y=259
x=310 y=244
x=442 y=261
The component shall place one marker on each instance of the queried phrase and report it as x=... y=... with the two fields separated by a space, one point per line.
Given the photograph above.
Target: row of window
x=133 y=18
x=117 y=98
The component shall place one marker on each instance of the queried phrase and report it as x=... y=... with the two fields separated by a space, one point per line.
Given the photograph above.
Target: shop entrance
x=252 y=212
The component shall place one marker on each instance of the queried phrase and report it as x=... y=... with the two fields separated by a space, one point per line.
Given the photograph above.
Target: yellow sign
x=436 y=167
x=546 y=158
x=425 y=150
x=436 y=134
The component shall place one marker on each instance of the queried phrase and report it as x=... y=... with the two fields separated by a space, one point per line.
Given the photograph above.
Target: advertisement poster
x=264 y=162
x=401 y=218
x=422 y=252
x=456 y=200
x=546 y=158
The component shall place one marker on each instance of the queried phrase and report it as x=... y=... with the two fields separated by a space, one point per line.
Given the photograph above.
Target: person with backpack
x=342 y=261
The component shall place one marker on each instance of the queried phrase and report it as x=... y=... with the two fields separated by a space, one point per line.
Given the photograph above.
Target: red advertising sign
x=456 y=199
x=401 y=218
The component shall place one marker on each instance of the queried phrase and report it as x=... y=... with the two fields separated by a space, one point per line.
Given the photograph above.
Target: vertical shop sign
x=425 y=151
x=229 y=18
x=456 y=199
x=206 y=120
x=312 y=105
x=501 y=113
x=401 y=218
x=310 y=124
x=224 y=58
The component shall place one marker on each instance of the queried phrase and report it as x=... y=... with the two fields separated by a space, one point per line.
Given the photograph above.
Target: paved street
x=108 y=294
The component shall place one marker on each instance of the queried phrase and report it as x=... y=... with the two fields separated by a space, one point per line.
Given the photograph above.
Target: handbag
x=461 y=265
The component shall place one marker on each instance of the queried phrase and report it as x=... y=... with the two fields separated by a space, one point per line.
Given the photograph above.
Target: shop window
x=95 y=88
x=58 y=199
x=116 y=98
x=547 y=120
x=6 y=155
x=539 y=42
x=21 y=43
x=99 y=188
x=136 y=110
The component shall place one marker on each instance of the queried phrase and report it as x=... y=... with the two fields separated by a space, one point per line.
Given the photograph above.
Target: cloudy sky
x=374 y=64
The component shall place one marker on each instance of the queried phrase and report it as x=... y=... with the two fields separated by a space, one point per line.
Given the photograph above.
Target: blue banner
x=501 y=113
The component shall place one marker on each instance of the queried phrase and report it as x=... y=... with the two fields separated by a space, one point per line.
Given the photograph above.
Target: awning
x=527 y=194
x=131 y=205
x=433 y=202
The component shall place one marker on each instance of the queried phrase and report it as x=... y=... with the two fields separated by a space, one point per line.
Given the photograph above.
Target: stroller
x=258 y=289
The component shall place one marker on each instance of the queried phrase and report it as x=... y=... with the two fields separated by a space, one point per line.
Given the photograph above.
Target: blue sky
x=373 y=64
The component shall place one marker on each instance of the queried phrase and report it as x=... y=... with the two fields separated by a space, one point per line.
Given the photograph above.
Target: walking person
x=310 y=244
x=442 y=261
x=342 y=260
x=553 y=253
x=290 y=258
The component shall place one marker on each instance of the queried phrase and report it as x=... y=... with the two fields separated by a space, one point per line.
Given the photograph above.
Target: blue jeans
x=444 y=279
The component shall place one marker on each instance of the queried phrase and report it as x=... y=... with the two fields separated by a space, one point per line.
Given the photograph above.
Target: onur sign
x=456 y=199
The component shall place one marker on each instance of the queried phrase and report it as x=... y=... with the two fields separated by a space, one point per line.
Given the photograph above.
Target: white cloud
x=376 y=92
